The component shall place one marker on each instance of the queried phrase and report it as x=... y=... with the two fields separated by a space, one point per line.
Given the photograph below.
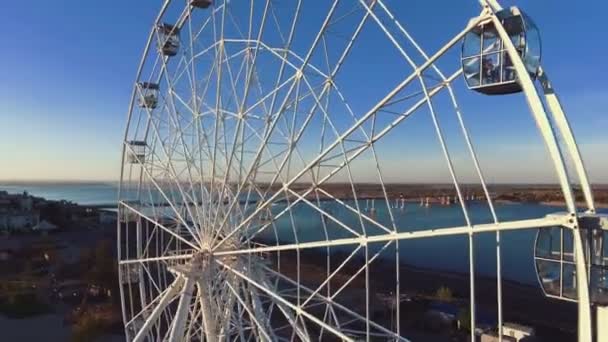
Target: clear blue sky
x=67 y=70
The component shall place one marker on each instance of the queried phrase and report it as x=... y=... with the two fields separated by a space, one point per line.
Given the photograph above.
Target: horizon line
x=98 y=181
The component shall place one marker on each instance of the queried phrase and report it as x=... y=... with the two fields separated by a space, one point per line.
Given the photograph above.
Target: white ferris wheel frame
x=185 y=282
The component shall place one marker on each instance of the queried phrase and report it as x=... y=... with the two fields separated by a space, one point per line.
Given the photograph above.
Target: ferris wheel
x=254 y=132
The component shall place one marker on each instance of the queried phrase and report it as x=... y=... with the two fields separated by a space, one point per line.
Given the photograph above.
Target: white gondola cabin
x=486 y=65
x=555 y=259
x=136 y=151
x=148 y=95
x=168 y=39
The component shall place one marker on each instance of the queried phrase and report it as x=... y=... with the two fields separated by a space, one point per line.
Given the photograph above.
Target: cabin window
x=486 y=65
x=148 y=95
x=168 y=39
x=136 y=151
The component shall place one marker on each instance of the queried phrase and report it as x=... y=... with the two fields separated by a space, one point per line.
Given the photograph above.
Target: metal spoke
x=406 y=234
x=259 y=133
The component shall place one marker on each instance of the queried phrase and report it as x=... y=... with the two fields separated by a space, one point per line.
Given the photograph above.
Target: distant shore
x=598 y=205
x=103 y=195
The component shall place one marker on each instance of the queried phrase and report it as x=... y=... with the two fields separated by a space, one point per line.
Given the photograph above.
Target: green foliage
x=55 y=212
x=92 y=322
x=27 y=267
x=464 y=319
x=444 y=294
x=87 y=328
x=98 y=266
x=23 y=305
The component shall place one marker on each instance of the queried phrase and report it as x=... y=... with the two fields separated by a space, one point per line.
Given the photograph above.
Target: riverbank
x=522 y=303
x=419 y=286
x=579 y=204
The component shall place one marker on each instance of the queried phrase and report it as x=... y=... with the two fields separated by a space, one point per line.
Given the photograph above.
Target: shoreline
x=522 y=303
x=598 y=205
x=543 y=194
x=579 y=204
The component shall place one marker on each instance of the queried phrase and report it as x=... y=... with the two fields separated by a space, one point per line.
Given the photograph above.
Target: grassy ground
x=23 y=305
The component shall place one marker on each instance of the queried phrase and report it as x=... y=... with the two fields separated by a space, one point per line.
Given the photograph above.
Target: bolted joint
x=299 y=74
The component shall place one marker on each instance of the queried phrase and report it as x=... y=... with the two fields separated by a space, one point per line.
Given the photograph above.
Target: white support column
x=544 y=125
x=283 y=301
x=208 y=312
x=559 y=117
x=179 y=321
x=173 y=290
x=602 y=323
x=227 y=311
x=140 y=268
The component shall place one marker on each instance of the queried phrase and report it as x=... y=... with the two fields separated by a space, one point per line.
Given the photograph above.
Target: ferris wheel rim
x=199 y=247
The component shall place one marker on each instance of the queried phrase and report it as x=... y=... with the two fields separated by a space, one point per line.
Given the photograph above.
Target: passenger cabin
x=136 y=151
x=148 y=95
x=201 y=3
x=554 y=255
x=486 y=65
x=168 y=39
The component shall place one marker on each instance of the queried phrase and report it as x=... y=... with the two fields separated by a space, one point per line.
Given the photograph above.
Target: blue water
x=446 y=253
x=81 y=193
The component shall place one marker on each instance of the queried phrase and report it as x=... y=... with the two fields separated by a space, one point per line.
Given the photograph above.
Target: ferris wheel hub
x=242 y=108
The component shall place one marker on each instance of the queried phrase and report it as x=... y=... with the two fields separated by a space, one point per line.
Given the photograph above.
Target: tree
x=102 y=270
x=444 y=294
x=54 y=212
x=464 y=319
x=28 y=267
x=86 y=328
x=85 y=260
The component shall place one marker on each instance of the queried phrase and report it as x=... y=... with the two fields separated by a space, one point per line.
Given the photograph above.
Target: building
x=71 y=290
x=8 y=248
x=18 y=220
x=22 y=202
x=17 y=211
x=26 y=203
x=493 y=337
x=107 y=217
x=517 y=331
x=44 y=227
x=3 y=221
